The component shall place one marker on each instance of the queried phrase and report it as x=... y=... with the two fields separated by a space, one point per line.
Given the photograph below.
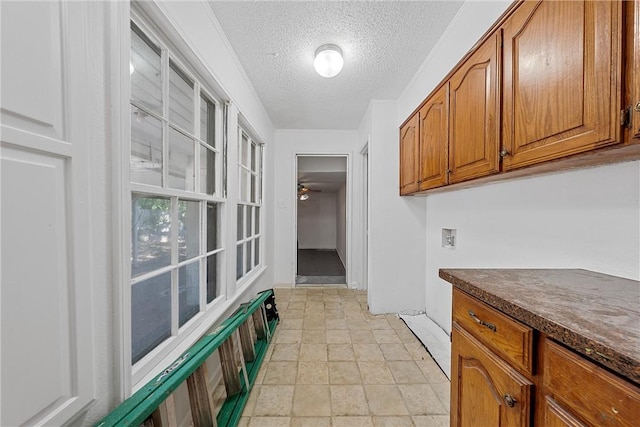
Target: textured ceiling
x=384 y=44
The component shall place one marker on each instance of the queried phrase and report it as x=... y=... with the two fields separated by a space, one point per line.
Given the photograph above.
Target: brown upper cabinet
x=561 y=80
x=549 y=80
x=474 y=115
x=434 y=135
x=409 y=156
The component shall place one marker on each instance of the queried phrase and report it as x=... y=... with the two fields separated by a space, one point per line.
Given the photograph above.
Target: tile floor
x=332 y=363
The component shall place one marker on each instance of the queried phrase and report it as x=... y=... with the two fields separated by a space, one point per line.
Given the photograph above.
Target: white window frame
x=138 y=370
x=248 y=206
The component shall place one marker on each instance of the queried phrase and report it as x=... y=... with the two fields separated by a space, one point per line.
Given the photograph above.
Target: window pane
x=207 y=121
x=257 y=221
x=146 y=148
x=212 y=226
x=247 y=220
x=188 y=291
x=244 y=157
x=180 y=98
x=253 y=188
x=181 y=161
x=244 y=179
x=239 y=262
x=256 y=252
x=150 y=234
x=150 y=314
x=247 y=253
x=144 y=68
x=188 y=229
x=240 y=223
x=212 y=277
x=207 y=171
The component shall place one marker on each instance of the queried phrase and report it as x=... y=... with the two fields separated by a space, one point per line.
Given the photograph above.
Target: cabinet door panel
x=554 y=415
x=473 y=115
x=633 y=72
x=409 y=156
x=434 y=140
x=561 y=82
x=482 y=384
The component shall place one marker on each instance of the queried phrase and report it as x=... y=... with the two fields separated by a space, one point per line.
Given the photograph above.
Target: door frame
x=349 y=209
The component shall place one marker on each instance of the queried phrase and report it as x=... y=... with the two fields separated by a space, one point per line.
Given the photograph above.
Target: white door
x=46 y=367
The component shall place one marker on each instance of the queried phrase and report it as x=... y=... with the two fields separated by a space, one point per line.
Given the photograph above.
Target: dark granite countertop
x=595 y=314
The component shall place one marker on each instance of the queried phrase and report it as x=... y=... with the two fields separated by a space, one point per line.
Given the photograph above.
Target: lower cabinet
x=492 y=386
x=486 y=391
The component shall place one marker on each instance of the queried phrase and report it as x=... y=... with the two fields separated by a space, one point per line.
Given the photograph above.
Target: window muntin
x=249 y=201
x=176 y=197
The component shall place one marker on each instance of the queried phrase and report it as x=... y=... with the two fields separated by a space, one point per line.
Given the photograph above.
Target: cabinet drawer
x=586 y=390
x=502 y=334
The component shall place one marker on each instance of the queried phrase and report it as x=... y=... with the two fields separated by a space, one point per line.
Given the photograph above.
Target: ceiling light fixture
x=303 y=196
x=328 y=61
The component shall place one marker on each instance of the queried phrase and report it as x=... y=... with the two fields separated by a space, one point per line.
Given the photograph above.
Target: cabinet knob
x=509 y=400
x=504 y=153
x=637 y=107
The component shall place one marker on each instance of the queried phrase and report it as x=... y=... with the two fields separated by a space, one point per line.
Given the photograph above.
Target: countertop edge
x=592 y=350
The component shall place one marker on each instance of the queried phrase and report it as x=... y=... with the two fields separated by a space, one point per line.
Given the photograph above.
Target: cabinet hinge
x=625 y=117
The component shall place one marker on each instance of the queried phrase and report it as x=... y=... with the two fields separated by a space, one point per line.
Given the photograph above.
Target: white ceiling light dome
x=328 y=61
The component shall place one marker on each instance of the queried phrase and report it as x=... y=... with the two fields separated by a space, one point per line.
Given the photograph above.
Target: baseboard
x=433 y=337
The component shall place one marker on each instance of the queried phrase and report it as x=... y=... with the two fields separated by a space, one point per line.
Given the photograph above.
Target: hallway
x=332 y=363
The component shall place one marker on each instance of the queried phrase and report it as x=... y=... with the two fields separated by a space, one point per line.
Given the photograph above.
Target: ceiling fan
x=303 y=191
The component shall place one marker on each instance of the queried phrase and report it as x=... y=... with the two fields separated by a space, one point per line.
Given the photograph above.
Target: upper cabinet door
x=434 y=140
x=409 y=156
x=474 y=115
x=561 y=81
x=633 y=74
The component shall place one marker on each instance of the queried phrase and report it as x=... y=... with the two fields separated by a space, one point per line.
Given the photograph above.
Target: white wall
x=341 y=223
x=317 y=223
x=396 y=224
x=579 y=219
x=288 y=143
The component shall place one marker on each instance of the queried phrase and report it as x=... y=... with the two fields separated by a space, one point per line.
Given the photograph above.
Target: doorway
x=321 y=220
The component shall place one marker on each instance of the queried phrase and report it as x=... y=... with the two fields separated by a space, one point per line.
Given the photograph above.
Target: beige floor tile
x=313 y=373
x=313 y=323
x=417 y=351
x=406 y=336
x=352 y=421
x=285 y=352
x=244 y=421
x=292 y=314
x=314 y=336
x=432 y=371
x=367 y=352
x=269 y=422
x=385 y=336
x=421 y=399
x=396 y=323
x=431 y=421
x=375 y=373
x=348 y=400
x=274 y=400
x=293 y=305
x=443 y=391
x=263 y=370
x=334 y=314
x=313 y=353
x=335 y=323
x=344 y=373
x=395 y=352
x=311 y=400
x=362 y=336
x=406 y=372
x=311 y=422
x=392 y=422
x=332 y=305
x=338 y=336
x=379 y=323
x=289 y=336
x=290 y=324
x=281 y=373
x=385 y=400
x=341 y=352
x=251 y=401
